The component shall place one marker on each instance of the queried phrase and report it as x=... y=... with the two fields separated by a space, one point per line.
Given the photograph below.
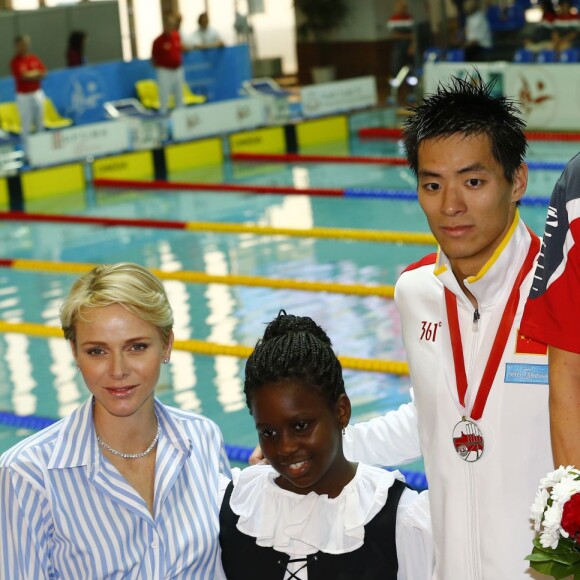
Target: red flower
x=571 y=517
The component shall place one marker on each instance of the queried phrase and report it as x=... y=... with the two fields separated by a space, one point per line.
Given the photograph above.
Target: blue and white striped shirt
x=66 y=512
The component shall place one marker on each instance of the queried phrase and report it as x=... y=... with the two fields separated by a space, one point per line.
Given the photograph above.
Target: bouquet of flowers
x=556 y=517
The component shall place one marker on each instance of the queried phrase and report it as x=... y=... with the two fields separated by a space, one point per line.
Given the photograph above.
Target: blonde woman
x=125 y=486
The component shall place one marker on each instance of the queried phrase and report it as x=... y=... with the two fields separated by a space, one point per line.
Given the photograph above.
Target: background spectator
x=167 y=56
x=566 y=26
x=400 y=24
x=204 y=36
x=28 y=71
x=75 y=54
x=478 y=40
x=541 y=37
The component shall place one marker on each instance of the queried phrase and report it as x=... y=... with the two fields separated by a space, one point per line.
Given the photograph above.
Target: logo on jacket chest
x=429 y=330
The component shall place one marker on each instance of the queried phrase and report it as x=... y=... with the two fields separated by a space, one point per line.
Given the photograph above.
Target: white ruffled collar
x=305 y=524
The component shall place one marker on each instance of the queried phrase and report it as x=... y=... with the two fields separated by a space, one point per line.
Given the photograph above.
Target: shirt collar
x=76 y=444
x=497 y=275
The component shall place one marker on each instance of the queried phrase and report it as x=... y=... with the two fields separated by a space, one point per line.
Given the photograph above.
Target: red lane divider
x=265 y=189
x=6 y=262
x=380 y=133
x=298 y=158
x=545 y=136
x=386 y=133
x=100 y=221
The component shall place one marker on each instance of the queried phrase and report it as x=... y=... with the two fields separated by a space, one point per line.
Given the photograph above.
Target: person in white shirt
x=479 y=415
x=125 y=486
x=312 y=513
x=204 y=36
x=478 y=37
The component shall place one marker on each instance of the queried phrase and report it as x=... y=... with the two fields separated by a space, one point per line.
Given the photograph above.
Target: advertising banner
x=548 y=95
x=74 y=143
x=217 y=118
x=328 y=98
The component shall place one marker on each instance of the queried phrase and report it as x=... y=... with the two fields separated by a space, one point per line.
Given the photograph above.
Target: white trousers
x=170 y=81
x=31 y=109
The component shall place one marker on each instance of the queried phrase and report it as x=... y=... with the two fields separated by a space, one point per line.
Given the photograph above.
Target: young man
x=552 y=313
x=480 y=410
x=167 y=56
x=28 y=72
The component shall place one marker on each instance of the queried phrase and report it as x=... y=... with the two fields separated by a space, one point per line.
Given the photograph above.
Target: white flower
x=538 y=507
x=564 y=490
x=552 y=518
x=554 y=477
x=549 y=538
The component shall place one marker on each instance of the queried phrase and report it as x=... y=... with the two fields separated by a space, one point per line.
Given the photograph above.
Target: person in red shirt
x=28 y=72
x=566 y=26
x=167 y=56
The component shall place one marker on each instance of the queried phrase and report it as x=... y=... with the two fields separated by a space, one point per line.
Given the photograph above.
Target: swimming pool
x=38 y=376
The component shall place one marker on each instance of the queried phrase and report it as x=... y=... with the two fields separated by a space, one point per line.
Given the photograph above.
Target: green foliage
x=560 y=563
x=320 y=17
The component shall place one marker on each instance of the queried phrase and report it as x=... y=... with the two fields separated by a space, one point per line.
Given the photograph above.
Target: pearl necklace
x=133 y=455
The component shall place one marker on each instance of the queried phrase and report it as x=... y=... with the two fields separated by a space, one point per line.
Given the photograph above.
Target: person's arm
x=414 y=537
x=392 y=439
x=564 y=378
x=23 y=531
x=37 y=73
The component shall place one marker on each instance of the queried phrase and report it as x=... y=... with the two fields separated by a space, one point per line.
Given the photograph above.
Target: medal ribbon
x=499 y=343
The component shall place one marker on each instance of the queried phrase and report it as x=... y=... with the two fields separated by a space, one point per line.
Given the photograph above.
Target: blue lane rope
x=398 y=194
x=547 y=165
x=415 y=479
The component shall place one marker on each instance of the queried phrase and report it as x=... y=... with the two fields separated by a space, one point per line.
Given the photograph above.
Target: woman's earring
x=165 y=360
x=343 y=431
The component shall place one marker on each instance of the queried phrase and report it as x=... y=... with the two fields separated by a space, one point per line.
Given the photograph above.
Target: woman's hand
x=257 y=457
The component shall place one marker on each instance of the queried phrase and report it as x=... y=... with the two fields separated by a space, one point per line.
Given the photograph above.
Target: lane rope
x=385 y=290
x=390 y=133
x=229 y=228
x=399 y=368
x=359 y=159
x=390 y=194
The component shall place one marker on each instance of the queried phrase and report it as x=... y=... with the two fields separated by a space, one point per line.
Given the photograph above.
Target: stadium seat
x=10 y=118
x=570 y=55
x=433 y=55
x=455 y=55
x=52 y=118
x=547 y=55
x=148 y=93
x=524 y=56
x=190 y=98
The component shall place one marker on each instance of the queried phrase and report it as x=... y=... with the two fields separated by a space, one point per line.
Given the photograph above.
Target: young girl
x=311 y=513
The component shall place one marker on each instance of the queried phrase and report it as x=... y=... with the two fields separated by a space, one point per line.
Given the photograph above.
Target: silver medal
x=468 y=440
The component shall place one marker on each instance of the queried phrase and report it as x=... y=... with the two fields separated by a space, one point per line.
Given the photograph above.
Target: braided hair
x=295 y=348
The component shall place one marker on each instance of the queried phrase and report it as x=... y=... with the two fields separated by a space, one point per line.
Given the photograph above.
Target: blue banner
x=80 y=92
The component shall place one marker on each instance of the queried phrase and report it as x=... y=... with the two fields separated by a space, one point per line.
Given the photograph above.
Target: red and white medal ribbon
x=467 y=437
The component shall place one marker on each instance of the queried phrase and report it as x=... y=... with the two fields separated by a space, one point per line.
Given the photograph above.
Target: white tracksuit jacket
x=479 y=510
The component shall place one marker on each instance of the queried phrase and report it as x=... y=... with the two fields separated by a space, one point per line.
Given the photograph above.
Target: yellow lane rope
x=386 y=291
x=334 y=233
x=214 y=349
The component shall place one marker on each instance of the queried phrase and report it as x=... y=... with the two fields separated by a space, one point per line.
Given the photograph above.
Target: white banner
x=548 y=95
x=217 y=118
x=74 y=143
x=328 y=98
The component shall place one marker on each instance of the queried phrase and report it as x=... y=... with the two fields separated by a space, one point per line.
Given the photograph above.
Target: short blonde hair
x=127 y=284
